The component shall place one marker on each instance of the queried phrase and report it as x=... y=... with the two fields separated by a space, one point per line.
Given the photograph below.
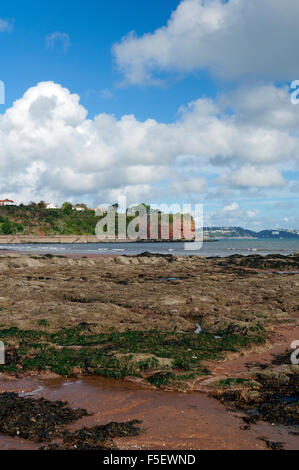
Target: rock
x=173 y=301
x=248 y=395
x=198 y=329
x=123 y=260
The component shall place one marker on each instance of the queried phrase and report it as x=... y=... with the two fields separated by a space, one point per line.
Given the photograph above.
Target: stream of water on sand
x=171 y=420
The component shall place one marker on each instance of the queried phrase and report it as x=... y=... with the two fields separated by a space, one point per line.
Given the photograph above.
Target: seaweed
x=272 y=445
x=36 y=420
x=275 y=398
x=95 y=438
x=76 y=350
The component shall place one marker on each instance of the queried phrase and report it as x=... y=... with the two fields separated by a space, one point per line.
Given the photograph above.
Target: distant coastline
x=240 y=233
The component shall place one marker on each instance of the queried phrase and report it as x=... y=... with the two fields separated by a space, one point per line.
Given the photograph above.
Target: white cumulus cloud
x=231 y=207
x=233 y=39
x=234 y=214
x=49 y=149
x=192 y=185
x=251 y=176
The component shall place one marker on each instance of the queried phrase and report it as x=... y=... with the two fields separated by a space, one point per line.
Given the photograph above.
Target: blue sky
x=88 y=67
x=204 y=85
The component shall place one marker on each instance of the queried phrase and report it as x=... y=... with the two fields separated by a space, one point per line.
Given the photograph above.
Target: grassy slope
x=35 y=220
x=30 y=220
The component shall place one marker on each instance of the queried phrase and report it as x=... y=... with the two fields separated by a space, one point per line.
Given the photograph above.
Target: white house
x=7 y=202
x=50 y=205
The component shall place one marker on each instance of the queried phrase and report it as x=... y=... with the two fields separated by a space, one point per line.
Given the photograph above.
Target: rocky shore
x=134 y=318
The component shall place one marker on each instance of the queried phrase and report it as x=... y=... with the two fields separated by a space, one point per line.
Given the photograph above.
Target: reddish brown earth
x=241 y=365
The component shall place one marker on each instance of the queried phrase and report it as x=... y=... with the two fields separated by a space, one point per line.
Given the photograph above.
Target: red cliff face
x=165 y=231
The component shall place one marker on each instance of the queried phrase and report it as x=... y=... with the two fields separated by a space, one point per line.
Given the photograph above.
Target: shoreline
x=76 y=239
x=20 y=253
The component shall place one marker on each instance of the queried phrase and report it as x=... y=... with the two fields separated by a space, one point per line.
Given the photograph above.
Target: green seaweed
x=233 y=381
x=77 y=350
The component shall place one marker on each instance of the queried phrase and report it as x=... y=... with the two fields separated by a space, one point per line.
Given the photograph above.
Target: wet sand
x=11 y=251
x=170 y=420
x=241 y=365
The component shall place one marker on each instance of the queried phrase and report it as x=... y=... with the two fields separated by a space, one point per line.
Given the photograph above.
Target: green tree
x=6 y=227
x=84 y=206
x=19 y=227
x=67 y=208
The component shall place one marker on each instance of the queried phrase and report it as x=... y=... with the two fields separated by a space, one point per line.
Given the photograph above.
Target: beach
x=115 y=335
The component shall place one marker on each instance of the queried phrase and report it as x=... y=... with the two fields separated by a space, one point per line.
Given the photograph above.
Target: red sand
x=171 y=420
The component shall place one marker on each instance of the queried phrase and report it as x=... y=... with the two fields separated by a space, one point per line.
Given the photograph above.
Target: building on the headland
x=80 y=207
x=7 y=202
x=50 y=205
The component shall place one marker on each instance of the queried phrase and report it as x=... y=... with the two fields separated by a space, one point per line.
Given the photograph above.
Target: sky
x=162 y=102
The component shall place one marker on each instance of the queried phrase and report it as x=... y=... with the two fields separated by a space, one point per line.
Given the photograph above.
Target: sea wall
x=31 y=239
x=21 y=239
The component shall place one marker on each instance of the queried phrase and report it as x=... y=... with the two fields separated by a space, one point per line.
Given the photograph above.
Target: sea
x=221 y=248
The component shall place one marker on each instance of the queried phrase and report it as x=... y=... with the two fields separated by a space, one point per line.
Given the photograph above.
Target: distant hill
x=277 y=234
x=239 y=232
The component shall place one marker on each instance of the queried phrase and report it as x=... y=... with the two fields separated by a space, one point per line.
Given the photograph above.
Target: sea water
x=220 y=248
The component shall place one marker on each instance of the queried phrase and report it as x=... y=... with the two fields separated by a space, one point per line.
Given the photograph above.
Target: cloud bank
x=234 y=39
x=50 y=150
